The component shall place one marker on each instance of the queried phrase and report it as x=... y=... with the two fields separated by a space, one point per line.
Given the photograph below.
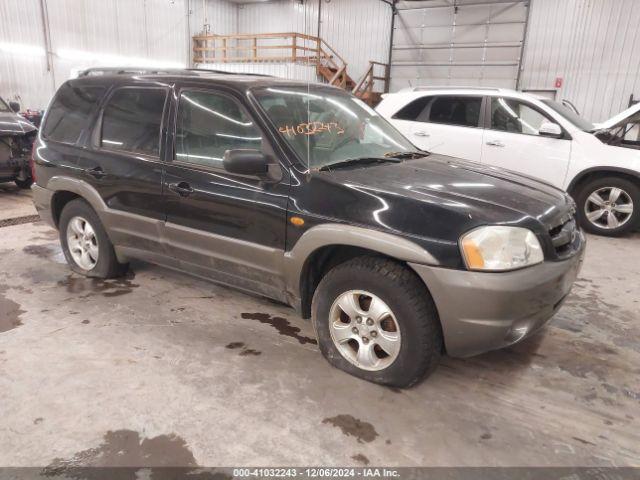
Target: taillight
x=32 y=162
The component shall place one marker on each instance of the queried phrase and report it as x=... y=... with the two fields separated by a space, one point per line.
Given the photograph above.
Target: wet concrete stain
x=282 y=325
x=249 y=351
x=95 y=286
x=486 y=436
x=245 y=351
x=583 y=441
x=126 y=448
x=38 y=420
x=10 y=312
x=42 y=251
x=360 y=458
x=85 y=322
x=351 y=426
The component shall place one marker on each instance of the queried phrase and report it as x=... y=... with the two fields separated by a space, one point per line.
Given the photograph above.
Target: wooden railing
x=366 y=85
x=285 y=47
x=264 y=47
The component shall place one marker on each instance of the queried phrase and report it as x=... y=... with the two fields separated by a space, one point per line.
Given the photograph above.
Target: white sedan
x=598 y=165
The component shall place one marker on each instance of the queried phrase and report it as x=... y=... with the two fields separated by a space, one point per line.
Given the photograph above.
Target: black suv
x=304 y=194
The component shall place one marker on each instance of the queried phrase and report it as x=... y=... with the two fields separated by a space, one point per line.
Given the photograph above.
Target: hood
x=13 y=124
x=630 y=115
x=488 y=194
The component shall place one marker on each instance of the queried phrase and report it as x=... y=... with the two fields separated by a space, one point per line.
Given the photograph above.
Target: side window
x=69 y=112
x=208 y=125
x=514 y=116
x=413 y=110
x=463 y=111
x=132 y=119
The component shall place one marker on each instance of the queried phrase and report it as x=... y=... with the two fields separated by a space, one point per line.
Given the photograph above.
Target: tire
x=105 y=265
x=627 y=197
x=412 y=313
x=24 y=184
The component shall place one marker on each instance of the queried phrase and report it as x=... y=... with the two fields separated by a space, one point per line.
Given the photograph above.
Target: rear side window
x=413 y=110
x=456 y=110
x=69 y=112
x=208 y=125
x=132 y=119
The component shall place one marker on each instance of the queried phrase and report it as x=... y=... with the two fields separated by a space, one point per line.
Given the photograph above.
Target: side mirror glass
x=15 y=106
x=246 y=162
x=548 y=129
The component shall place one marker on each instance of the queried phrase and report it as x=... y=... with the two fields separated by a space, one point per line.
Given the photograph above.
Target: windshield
x=3 y=106
x=569 y=114
x=326 y=126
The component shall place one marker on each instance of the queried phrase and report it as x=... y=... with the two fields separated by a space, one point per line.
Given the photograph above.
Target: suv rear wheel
x=85 y=243
x=609 y=206
x=375 y=319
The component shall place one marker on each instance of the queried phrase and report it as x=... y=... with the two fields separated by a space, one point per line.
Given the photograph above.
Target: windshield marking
x=311 y=128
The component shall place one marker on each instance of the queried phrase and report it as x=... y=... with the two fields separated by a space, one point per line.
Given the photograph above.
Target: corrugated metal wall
x=93 y=33
x=593 y=45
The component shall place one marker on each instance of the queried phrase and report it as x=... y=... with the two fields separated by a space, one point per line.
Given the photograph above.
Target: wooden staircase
x=294 y=48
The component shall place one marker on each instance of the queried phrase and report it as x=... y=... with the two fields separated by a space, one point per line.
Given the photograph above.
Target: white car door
x=512 y=140
x=445 y=124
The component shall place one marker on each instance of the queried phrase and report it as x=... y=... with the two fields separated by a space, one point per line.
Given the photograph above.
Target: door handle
x=96 y=172
x=495 y=143
x=421 y=133
x=182 y=188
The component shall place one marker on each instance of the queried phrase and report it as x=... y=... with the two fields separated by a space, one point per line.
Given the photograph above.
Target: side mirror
x=246 y=162
x=15 y=106
x=548 y=129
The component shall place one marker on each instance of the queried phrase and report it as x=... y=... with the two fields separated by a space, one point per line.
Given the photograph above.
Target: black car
x=16 y=139
x=304 y=194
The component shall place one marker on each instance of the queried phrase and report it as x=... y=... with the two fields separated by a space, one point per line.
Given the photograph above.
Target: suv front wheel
x=85 y=242
x=609 y=206
x=375 y=319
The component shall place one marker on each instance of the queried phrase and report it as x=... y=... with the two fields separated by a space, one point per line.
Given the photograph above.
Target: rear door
x=512 y=141
x=225 y=226
x=124 y=164
x=446 y=124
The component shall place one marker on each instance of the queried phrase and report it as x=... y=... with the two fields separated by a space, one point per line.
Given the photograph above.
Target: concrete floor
x=160 y=368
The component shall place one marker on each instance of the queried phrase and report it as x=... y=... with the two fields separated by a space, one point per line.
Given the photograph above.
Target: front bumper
x=42 y=201
x=482 y=311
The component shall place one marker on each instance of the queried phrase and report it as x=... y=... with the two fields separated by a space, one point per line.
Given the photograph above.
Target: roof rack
x=94 y=71
x=452 y=87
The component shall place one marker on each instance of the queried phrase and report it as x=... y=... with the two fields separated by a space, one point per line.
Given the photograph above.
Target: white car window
x=513 y=116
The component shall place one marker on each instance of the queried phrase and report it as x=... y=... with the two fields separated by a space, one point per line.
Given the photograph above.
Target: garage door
x=458 y=42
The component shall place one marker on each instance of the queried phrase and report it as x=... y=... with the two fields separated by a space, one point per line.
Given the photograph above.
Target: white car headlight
x=500 y=248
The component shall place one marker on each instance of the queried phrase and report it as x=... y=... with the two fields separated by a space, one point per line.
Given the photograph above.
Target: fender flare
x=335 y=234
x=580 y=175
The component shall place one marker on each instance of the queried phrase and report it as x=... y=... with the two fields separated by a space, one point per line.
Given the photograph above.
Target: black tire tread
x=633 y=188
x=418 y=298
x=108 y=265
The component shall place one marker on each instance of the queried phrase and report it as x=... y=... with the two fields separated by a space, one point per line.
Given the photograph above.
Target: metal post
x=387 y=79
x=524 y=41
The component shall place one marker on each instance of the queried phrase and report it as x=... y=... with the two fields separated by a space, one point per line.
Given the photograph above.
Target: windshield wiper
x=360 y=160
x=410 y=155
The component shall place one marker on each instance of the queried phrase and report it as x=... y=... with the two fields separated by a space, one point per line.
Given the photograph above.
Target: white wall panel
x=97 y=33
x=594 y=45
x=280 y=70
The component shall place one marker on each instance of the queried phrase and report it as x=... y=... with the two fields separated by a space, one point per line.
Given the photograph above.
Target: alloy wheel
x=608 y=208
x=364 y=330
x=82 y=243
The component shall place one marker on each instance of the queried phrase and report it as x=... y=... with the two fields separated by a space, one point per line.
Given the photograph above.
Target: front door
x=512 y=141
x=225 y=226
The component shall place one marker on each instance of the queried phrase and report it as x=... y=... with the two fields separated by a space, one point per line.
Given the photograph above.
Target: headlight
x=500 y=248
